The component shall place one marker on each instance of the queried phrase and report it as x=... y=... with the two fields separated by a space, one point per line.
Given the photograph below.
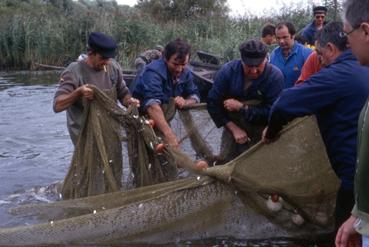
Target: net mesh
x=287 y=186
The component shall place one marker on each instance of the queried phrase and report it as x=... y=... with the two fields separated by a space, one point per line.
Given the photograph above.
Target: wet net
x=286 y=188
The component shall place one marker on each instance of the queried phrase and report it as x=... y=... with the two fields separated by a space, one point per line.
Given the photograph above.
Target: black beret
x=319 y=9
x=102 y=44
x=253 y=52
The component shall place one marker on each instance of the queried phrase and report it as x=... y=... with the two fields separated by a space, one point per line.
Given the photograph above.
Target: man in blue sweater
x=312 y=28
x=239 y=81
x=335 y=95
x=290 y=56
x=167 y=78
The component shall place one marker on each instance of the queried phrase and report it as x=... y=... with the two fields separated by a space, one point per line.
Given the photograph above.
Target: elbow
x=57 y=107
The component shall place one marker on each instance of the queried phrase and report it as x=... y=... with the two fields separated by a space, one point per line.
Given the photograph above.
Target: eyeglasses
x=344 y=34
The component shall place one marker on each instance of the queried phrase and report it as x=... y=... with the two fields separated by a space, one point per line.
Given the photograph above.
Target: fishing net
x=286 y=188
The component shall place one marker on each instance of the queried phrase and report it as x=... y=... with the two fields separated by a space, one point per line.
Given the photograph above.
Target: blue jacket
x=335 y=95
x=155 y=85
x=292 y=65
x=230 y=83
x=308 y=32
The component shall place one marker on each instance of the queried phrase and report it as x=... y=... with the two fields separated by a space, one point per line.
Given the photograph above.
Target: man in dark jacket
x=239 y=81
x=356 y=29
x=310 y=30
x=167 y=78
x=335 y=95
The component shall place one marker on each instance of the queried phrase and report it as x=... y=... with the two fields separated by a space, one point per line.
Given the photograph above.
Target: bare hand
x=240 y=136
x=180 y=102
x=232 y=105
x=201 y=165
x=86 y=92
x=133 y=101
x=347 y=236
x=265 y=139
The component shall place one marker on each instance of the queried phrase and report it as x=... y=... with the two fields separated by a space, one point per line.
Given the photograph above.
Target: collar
x=345 y=55
x=293 y=51
x=160 y=67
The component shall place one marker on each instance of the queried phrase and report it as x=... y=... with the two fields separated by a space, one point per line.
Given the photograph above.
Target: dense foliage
x=55 y=31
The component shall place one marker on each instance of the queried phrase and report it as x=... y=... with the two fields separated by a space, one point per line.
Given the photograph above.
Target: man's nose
x=180 y=68
x=253 y=70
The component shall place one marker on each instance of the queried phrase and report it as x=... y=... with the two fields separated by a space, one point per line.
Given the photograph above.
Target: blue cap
x=253 y=52
x=102 y=44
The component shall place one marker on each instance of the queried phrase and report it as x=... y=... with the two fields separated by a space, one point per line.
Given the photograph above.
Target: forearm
x=217 y=113
x=256 y=114
x=276 y=123
x=155 y=112
x=231 y=126
x=64 y=101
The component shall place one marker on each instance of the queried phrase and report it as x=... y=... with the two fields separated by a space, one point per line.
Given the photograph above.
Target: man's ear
x=365 y=27
x=331 y=47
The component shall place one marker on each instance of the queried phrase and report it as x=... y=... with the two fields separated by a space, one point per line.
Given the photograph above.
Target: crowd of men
x=286 y=80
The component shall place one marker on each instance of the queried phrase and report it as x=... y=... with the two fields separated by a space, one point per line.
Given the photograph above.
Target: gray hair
x=356 y=12
x=330 y=33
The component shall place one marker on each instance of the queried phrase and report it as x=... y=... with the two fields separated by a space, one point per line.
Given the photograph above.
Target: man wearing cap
x=309 y=31
x=165 y=79
x=98 y=69
x=238 y=82
x=290 y=56
x=335 y=95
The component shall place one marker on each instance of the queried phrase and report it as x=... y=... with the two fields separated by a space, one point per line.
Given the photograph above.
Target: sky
x=255 y=7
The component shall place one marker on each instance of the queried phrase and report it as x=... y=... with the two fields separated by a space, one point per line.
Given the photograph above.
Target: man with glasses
x=310 y=30
x=335 y=95
x=356 y=29
x=238 y=82
x=290 y=56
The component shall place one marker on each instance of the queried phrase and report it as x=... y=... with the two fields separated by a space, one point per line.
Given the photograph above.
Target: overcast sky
x=255 y=7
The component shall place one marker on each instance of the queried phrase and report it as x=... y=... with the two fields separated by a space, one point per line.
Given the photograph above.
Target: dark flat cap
x=320 y=9
x=102 y=44
x=253 y=52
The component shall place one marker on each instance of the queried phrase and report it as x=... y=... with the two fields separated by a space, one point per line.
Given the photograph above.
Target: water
x=35 y=151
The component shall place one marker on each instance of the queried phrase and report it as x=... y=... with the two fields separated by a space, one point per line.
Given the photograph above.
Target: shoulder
x=156 y=67
x=275 y=71
x=276 y=52
x=115 y=65
x=229 y=69
x=302 y=50
x=232 y=66
x=73 y=69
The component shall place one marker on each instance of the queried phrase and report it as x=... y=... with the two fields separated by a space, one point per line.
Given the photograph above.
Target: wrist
x=244 y=107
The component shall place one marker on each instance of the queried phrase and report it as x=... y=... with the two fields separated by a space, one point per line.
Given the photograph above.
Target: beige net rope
x=286 y=188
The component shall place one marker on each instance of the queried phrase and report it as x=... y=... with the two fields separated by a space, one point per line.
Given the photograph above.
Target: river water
x=35 y=151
